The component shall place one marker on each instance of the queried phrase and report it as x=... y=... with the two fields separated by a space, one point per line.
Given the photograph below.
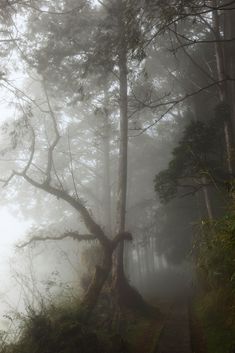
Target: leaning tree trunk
x=91 y=297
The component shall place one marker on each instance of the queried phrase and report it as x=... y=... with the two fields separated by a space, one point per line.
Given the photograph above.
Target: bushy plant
x=215 y=250
x=215 y=258
x=59 y=329
x=213 y=309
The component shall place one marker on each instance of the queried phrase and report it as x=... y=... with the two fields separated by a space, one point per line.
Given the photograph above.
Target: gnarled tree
x=46 y=178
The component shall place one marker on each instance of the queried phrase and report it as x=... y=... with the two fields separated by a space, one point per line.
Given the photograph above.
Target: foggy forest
x=117 y=176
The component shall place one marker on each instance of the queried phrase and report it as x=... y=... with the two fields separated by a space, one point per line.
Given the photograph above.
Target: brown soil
x=197 y=335
x=147 y=338
x=175 y=335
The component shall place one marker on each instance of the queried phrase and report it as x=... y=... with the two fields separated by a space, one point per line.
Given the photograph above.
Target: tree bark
x=140 y=277
x=151 y=254
x=119 y=275
x=229 y=54
x=222 y=76
x=90 y=299
x=106 y=180
x=126 y=296
x=101 y=274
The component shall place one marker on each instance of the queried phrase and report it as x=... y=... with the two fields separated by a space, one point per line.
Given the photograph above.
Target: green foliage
x=174 y=237
x=195 y=157
x=59 y=329
x=216 y=249
x=216 y=314
x=78 y=52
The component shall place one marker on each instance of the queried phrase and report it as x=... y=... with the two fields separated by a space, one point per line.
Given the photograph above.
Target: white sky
x=12 y=226
x=12 y=229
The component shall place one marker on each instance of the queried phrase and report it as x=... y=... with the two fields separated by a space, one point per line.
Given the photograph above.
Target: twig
x=56 y=140
x=73 y=235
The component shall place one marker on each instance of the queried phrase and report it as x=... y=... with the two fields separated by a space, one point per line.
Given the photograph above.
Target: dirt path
x=175 y=336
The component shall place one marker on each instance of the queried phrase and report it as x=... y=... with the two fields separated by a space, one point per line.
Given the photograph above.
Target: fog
x=87 y=162
x=116 y=172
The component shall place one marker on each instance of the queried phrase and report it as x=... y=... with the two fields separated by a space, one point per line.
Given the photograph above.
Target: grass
x=214 y=311
x=59 y=329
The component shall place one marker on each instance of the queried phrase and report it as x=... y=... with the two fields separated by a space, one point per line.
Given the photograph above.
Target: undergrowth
x=214 y=311
x=215 y=305
x=59 y=329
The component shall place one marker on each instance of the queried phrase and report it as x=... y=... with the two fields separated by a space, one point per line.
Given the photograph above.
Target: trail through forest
x=175 y=336
x=117 y=140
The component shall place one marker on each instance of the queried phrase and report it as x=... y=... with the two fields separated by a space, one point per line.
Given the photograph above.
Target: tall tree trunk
x=220 y=62
x=119 y=275
x=147 y=259
x=125 y=294
x=140 y=277
x=152 y=253
x=106 y=179
x=229 y=50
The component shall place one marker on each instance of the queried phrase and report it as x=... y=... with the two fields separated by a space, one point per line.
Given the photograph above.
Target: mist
x=117 y=176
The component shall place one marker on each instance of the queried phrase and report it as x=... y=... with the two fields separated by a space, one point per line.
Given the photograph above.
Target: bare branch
x=57 y=177
x=71 y=166
x=53 y=164
x=56 y=140
x=73 y=235
x=17 y=91
x=205 y=41
x=199 y=11
x=191 y=58
x=27 y=5
x=120 y=237
x=156 y=120
x=77 y=204
x=220 y=6
x=175 y=102
x=32 y=148
x=6 y=181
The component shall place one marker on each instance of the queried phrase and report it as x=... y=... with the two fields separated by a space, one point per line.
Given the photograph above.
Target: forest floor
x=182 y=331
x=164 y=329
x=198 y=339
x=143 y=334
x=191 y=321
x=175 y=335
x=212 y=322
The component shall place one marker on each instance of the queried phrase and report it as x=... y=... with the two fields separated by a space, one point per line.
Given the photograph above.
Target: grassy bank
x=59 y=329
x=214 y=322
